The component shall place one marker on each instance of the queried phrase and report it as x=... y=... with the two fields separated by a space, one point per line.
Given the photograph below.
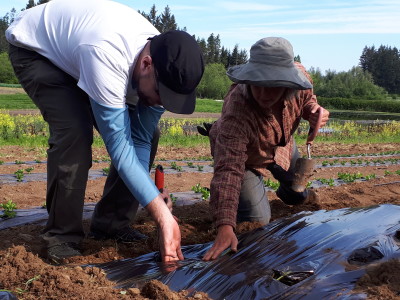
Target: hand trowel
x=305 y=166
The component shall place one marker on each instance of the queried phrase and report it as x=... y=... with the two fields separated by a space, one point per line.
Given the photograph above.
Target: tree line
x=376 y=74
x=212 y=50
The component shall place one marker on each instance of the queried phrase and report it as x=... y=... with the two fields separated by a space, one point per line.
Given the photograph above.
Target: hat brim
x=176 y=102
x=269 y=76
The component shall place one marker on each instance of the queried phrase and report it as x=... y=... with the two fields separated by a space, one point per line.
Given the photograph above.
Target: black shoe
x=57 y=253
x=290 y=197
x=124 y=235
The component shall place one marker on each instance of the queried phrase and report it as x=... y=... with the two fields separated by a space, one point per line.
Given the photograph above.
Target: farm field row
x=21 y=246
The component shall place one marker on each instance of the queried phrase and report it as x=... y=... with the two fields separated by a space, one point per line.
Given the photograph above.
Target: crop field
x=357 y=165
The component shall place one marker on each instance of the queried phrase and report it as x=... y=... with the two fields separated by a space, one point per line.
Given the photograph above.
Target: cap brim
x=175 y=102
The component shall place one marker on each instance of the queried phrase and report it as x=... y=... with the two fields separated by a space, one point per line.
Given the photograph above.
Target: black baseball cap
x=179 y=67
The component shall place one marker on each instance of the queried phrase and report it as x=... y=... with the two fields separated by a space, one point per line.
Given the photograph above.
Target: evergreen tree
x=216 y=53
x=384 y=65
x=152 y=16
x=203 y=46
x=167 y=21
x=31 y=3
x=224 y=57
x=211 y=50
x=242 y=58
x=234 y=56
x=4 y=23
x=297 y=58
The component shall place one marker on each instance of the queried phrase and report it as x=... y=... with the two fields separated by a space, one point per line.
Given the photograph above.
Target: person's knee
x=253 y=201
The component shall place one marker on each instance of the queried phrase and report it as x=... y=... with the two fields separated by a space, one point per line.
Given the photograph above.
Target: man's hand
x=225 y=238
x=313 y=120
x=167 y=198
x=170 y=235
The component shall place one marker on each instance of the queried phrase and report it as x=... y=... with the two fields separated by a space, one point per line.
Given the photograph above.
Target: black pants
x=66 y=108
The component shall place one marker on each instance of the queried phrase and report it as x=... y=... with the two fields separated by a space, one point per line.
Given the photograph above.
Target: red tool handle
x=312 y=133
x=159 y=178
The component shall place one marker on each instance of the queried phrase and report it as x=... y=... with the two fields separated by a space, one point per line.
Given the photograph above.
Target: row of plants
x=384 y=153
x=33 y=130
x=9 y=207
x=346 y=177
x=360 y=162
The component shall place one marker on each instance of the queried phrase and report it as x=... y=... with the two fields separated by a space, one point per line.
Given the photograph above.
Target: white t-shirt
x=97 y=42
x=98 y=47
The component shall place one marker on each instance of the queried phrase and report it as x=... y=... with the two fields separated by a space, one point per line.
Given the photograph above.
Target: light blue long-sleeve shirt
x=127 y=133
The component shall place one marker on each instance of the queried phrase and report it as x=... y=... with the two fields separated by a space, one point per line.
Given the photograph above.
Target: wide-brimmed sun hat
x=271 y=64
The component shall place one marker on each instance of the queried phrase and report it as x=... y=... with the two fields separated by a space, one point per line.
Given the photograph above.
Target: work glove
x=205 y=130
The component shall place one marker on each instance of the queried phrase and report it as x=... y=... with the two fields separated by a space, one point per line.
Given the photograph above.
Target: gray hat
x=271 y=64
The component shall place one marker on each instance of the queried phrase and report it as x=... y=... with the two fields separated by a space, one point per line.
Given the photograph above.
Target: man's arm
x=122 y=137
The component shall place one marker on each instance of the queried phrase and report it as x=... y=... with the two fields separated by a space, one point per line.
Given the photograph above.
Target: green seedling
x=28 y=170
x=19 y=174
x=325 y=163
x=199 y=168
x=38 y=161
x=173 y=199
x=271 y=184
x=27 y=283
x=369 y=177
x=9 y=209
x=1 y=162
x=18 y=162
x=348 y=177
x=106 y=170
x=205 y=192
x=329 y=182
x=190 y=164
x=175 y=166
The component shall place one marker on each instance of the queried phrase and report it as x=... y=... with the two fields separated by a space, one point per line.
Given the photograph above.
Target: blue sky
x=327 y=34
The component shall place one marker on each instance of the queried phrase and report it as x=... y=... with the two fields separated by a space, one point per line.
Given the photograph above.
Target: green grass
x=22 y=101
x=208 y=105
x=16 y=101
x=362 y=115
x=10 y=85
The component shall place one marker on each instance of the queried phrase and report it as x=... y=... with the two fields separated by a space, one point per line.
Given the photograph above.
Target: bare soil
x=25 y=271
